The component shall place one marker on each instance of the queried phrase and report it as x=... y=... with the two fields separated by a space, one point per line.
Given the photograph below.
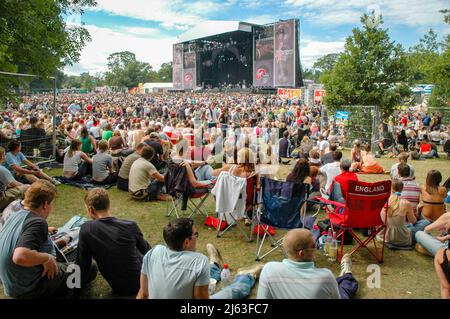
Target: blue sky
x=150 y=27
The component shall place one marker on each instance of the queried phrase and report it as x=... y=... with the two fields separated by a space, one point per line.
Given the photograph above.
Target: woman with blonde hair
x=399 y=212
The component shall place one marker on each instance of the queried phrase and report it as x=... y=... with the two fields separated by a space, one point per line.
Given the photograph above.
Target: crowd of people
x=129 y=140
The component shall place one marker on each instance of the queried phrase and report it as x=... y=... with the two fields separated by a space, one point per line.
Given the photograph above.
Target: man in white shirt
x=323 y=145
x=330 y=171
x=297 y=277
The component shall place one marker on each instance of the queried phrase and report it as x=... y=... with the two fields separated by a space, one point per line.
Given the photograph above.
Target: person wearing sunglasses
x=179 y=272
x=298 y=278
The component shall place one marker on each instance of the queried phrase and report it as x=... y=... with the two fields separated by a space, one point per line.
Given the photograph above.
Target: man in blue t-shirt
x=10 y=189
x=29 y=174
x=28 y=266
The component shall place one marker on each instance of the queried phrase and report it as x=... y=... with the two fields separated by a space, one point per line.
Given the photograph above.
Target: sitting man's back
x=297 y=278
x=117 y=245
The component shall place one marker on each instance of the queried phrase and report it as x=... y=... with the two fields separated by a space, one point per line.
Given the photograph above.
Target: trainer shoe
x=254 y=270
x=56 y=182
x=214 y=255
x=346 y=265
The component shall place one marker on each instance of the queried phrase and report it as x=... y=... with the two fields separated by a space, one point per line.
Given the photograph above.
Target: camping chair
x=363 y=204
x=231 y=218
x=281 y=208
x=183 y=195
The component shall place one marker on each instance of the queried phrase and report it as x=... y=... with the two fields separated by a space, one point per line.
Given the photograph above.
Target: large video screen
x=284 y=66
x=177 y=67
x=263 y=64
x=189 y=74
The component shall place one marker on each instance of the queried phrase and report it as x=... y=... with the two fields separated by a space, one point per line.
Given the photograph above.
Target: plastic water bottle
x=225 y=275
x=333 y=248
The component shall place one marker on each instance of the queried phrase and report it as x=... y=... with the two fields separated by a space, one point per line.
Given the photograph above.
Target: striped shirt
x=411 y=192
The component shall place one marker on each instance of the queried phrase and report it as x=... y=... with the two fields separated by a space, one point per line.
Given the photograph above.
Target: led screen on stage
x=263 y=64
x=177 y=67
x=284 y=66
x=189 y=74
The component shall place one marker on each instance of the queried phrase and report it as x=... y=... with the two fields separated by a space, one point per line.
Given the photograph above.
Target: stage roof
x=213 y=27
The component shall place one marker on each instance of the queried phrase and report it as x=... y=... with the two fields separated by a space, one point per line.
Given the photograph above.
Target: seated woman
x=426 y=149
x=442 y=266
x=102 y=166
x=429 y=244
x=76 y=161
x=244 y=167
x=314 y=158
x=399 y=211
x=300 y=175
x=433 y=196
x=370 y=164
x=356 y=156
x=88 y=144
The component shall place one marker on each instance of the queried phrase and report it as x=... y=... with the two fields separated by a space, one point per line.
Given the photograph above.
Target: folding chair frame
x=341 y=233
x=276 y=244
x=197 y=207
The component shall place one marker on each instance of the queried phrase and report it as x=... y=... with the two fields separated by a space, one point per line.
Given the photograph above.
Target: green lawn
x=404 y=274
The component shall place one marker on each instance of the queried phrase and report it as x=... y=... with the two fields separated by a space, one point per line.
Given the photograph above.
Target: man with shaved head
x=297 y=278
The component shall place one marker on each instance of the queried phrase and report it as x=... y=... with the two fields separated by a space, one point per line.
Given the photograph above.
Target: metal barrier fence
x=37 y=145
x=362 y=123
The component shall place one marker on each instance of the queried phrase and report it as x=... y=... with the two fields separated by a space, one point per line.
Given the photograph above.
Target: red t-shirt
x=343 y=180
x=425 y=148
x=404 y=121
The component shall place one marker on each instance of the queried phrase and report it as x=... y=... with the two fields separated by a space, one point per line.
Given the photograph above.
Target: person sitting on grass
x=27 y=175
x=370 y=164
x=76 y=162
x=442 y=266
x=179 y=272
x=116 y=245
x=124 y=172
x=399 y=212
x=402 y=159
x=145 y=182
x=28 y=266
x=427 y=150
x=102 y=166
x=428 y=244
x=296 y=277
x=10 y=189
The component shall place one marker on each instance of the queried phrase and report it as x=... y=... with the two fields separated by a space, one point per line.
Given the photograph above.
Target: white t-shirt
x=331 y=170
x=323 y=145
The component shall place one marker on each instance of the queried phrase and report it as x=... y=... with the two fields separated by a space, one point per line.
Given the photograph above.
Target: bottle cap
x=225 y=266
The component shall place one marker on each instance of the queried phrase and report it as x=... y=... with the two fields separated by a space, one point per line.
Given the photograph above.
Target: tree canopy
x=34 y=38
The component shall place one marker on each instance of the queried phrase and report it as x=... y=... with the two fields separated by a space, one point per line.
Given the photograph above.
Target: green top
x=86 y=145
x=107 y=135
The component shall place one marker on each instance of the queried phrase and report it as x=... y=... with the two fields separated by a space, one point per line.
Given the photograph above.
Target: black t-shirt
x=157 y=147
x=327 y=158
x=34 y=232
x=118 y=247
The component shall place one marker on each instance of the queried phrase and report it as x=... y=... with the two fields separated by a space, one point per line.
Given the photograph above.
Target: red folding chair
x=362 y=208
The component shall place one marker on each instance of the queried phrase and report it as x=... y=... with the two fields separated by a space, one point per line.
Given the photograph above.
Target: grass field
x=404 y=274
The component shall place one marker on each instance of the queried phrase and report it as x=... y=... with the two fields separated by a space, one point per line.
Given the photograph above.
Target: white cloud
x=311 y=50
x=171 y=14
x=151 y=49
x=412 y=13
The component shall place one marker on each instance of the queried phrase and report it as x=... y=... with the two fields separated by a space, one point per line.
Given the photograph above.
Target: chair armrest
x=321 y=200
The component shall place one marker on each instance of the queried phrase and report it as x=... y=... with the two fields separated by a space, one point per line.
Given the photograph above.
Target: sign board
x=289 y=93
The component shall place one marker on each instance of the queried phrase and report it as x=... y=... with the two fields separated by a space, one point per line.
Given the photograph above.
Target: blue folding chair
x=283 y=207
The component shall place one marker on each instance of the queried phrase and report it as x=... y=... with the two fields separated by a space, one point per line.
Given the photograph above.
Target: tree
x=326 y=63
x=422 y=56
x=439 y=73
x=165 y=72
x=371 y=71
x=125 y=70
x=34 y=37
